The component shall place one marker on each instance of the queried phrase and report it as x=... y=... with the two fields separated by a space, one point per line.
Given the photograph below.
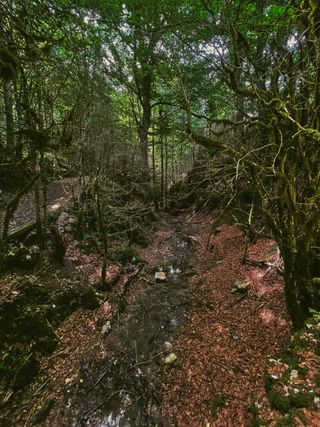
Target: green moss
x=269 y=382
x=312 y=133
x=317 y=378
x=291 y=359
x=126 y=254
x=317 y=349
x=303 y=370
x=236 y=369
x=279 y=401
x=10 y=358
x=289 y=420
x=315 y=332
x=219 y=401
x=298 y=342
x=255 y=420
x=302 y=399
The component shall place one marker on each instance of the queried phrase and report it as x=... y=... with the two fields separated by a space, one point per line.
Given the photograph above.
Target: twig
x=101 y=376
x=238 y=300
x=59 y=353
x=144 y=362
x=254 y=310
x=136 y=350
x=41 y=387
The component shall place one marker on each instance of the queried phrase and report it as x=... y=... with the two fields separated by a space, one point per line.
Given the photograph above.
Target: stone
x=170 y=359
x=160 y=276
x=240 y=287
x=106 y=328
x=168 y=345
x=293 y=374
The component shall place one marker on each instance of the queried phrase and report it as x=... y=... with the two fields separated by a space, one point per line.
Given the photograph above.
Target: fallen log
x=21 y=231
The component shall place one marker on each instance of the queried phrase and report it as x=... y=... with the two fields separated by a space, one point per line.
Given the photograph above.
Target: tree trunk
x=144 y=125
x=8 y=105
x=297 y=279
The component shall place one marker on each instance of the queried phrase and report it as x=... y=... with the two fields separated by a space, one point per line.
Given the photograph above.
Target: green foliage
x=279 y=401
x=11 y=357
x=255 y=420
x=317 y=378
x=219 y=401
x=126 y=254
x=19 y=255
x=289 y=420
x=315 y=314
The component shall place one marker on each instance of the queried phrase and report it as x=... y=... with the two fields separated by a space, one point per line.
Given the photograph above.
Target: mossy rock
x=70 y=299
x=89 y=299
x=9 y=310
x=11 y=357
x=35 y=324
x=31 y=292
x=25 y=373
x=32 y=238
x=21 y=256
x=46 y=344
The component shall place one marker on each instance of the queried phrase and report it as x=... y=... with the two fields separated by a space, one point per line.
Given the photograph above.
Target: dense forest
x=159 y=212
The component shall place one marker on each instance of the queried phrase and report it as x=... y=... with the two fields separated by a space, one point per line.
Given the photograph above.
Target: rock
x=293 y=374
x=170 y=359
x=44 y=411
x=160 y=276
x=173 y=323
x=240 y=287
x=106 y=328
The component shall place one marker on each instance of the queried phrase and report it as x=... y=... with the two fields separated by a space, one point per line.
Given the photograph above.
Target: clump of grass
x=219 y=401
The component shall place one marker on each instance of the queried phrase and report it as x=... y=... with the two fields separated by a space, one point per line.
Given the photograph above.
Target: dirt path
x=161 y=353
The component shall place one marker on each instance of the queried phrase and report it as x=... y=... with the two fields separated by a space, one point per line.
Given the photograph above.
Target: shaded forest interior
x=140 y=141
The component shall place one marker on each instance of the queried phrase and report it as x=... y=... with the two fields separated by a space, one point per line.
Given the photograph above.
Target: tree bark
x=145 y=125
x=8 y=105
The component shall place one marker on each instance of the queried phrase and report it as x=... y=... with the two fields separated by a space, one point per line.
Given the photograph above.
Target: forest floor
x=186 y=351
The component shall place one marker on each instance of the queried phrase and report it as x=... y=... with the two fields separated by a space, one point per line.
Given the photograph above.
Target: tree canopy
x=141 y=86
